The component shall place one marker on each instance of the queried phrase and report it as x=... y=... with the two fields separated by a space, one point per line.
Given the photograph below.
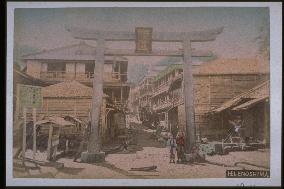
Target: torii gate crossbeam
x=186 y=38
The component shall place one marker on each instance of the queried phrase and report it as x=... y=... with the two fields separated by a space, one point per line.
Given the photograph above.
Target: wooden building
x=218 y=81
x=214 y=83
x=252 y=107
x=145 y=93
x=69 y=71
x=77 y=62
x=162 y=99
x=73 y=99
x=67 y=98
x=134 y=101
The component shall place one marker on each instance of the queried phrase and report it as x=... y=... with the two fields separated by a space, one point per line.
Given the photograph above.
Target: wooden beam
x=24 y=134
x=194 y=36
x=130 y=52
x=34 y=133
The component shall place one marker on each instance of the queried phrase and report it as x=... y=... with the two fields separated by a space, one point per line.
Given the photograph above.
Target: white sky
x=44 y=28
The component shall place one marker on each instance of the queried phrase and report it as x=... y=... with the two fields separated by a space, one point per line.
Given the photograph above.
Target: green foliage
x=169 y=61
x=169 y=69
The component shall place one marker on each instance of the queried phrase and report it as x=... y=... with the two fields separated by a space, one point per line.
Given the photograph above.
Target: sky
x=45 y=28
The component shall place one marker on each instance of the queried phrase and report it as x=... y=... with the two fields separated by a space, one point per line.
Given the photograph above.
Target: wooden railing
x=175 y=101
x=88 y=76
x=162 y=105
x=165 y=86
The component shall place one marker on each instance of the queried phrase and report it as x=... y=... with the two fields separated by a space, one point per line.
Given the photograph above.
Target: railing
x=176 y=100
x=63 y=76
x=162 y=105
x=161 y=89
x=165 y=86
x=120 y=104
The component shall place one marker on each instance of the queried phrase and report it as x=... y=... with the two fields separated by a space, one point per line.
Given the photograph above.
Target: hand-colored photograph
x=141 y=93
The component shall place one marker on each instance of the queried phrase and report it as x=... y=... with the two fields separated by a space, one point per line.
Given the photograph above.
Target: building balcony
x=121 y=105
x=162 y=105
x=165 y=86
x=83 y=77
x=161 y=89
x=176 y=101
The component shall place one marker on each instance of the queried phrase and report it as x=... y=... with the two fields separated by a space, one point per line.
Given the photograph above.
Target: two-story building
x=214 y=83
x=77 y=63
x=145 y=92
x=165 y=95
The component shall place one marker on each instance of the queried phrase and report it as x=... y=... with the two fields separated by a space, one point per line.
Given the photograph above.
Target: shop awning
x=55 y=120
x=249 y=97
x=250 y=103
x=228 y=104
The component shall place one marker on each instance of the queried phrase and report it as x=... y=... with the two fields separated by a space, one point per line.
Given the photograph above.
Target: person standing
x=174 y=130
x=180 y=146
x=172 y=144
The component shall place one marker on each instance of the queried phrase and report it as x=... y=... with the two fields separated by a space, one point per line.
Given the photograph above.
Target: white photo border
x=275 y=101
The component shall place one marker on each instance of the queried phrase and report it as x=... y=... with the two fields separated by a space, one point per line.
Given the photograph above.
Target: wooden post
x=188 y=96
x=47 y=113
x=17 y=111
x=67 y=146
x=34 y=133
x=24 y=134
x=94 y=142
x=266 y=124
x=49 y=147
x=103 y=116
x=121 y=94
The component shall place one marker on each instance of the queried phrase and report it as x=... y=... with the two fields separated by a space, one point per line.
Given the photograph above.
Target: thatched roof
x=68 y=89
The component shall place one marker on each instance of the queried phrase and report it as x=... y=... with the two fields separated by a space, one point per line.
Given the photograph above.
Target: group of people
x=176 y=145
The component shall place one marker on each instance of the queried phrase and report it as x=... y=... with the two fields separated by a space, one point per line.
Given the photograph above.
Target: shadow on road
x=116 y=169
x=70 y=170
x=143 y=138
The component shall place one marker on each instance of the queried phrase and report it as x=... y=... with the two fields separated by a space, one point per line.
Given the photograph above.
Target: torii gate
x=186 y=38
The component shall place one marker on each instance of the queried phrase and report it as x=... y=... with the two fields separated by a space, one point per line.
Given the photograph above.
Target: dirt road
x=147 y=152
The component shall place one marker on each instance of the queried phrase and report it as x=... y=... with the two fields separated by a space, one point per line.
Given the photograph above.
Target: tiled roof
x=68 y=89
x=260 y=91
x=81 y=51
x=55 y=120
x=222 y=66
x=232 y=66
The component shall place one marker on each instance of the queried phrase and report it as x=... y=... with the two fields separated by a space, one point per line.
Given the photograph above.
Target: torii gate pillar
x=188 y=96
x=94 y=153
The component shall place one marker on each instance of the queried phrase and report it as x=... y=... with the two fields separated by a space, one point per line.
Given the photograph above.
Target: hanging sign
x=143 y=40
x=30 y=96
